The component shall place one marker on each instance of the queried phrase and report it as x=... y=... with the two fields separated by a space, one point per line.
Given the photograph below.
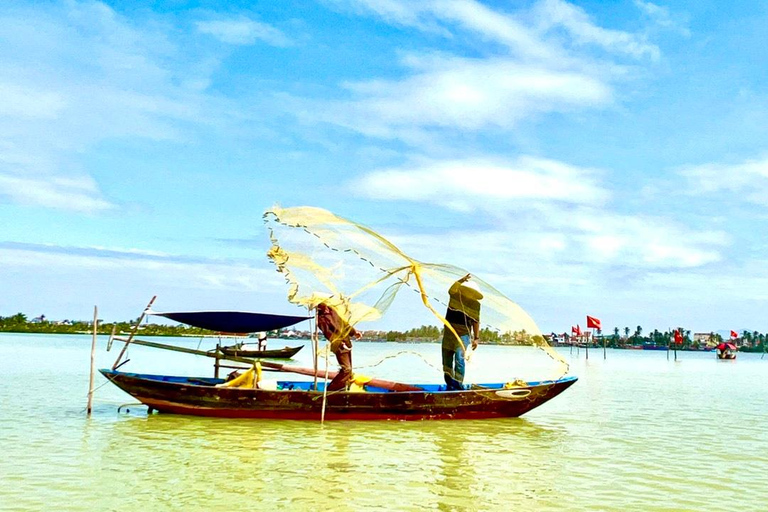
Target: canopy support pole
x=133 y=332
x=216 y=364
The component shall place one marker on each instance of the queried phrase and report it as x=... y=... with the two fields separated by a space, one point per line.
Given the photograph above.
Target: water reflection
x=342 y=465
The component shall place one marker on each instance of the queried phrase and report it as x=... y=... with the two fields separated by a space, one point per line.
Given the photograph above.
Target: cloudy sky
x=602 y=158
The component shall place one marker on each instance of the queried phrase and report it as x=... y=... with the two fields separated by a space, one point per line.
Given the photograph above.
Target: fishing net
x=329 y=259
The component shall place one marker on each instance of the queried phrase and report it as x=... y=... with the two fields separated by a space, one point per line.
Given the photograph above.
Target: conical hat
x=470 y=289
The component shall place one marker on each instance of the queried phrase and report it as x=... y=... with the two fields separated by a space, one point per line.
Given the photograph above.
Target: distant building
x=704 y=338
x=38 y=320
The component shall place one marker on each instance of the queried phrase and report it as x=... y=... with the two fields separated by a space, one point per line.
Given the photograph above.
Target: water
x=637 y=432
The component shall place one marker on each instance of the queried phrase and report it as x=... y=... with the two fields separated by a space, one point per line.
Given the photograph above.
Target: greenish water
x=637 y=432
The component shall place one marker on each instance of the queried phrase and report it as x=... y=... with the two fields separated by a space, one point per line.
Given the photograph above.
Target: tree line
x=20 y=323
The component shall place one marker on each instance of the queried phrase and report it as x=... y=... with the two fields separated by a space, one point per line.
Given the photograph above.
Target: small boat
x=726 y=351
x=242 y=350
x=301 y=400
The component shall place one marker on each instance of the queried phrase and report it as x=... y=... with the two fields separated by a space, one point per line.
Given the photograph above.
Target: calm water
x=637 y=432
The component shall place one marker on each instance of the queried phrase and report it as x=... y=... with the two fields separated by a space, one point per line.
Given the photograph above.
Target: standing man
x=339 y=333
x=464 y=316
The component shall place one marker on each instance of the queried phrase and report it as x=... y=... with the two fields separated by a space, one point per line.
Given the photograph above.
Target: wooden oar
x=377 y=383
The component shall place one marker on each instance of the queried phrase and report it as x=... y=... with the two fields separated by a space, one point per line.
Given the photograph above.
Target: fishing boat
x=372 y=399
x=726 y=351
x=244 y=351
x=303 y=400
x=357 y=274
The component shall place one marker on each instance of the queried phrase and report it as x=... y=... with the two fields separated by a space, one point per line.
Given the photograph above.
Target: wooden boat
x=373 y=399
x=297 y=400
x=244 y=351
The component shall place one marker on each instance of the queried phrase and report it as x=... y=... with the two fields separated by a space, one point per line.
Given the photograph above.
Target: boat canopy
x=233 y=321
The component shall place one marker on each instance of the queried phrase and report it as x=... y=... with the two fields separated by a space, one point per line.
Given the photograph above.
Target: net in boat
x=328 y=259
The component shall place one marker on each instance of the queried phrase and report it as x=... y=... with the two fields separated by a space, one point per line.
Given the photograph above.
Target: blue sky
x=603 y=158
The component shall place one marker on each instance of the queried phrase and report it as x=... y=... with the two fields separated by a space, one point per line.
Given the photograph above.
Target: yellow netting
x=326 y=258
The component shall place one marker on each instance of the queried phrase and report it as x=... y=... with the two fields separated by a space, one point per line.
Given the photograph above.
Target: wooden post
x=89 y=407
x=133 y=332
x=586 y=345
x=604 y=356
x=315 y=345
x=325 y=387
x=216 y=364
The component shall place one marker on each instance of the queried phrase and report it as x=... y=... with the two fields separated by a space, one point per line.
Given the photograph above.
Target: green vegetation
x=19 y=323
x=430 y=334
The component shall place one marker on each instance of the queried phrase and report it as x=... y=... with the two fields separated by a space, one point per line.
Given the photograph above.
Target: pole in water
x=604 y=356
x=586 y=346
x=89 y=407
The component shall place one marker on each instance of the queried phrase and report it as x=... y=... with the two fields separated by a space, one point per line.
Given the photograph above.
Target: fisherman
x=262 y=337
x=463 y=315
x=339 y=333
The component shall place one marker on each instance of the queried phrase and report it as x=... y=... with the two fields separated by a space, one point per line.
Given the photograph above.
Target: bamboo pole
x=216 y=364
x=133 y=332
x=325 y=387
x=315 y=345
x=604 y=356
x=379 y=383
x=174 y=348
x=89 y=407
x=586 y=346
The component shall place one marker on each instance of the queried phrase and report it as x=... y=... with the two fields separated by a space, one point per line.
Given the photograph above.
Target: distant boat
x=726 y=351
x=242 y=350
x=650 y=346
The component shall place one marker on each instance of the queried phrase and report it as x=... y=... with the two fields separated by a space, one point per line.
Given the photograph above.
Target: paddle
x=378 y=383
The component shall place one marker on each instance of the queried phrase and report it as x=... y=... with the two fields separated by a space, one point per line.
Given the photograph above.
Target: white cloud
x=72 y=193
x=76 y=75
x=527 y=40
x=554 y=13
x=540 y=209
x=160 y=269
x=243 y=31
x=534 y=68
x=662 y=17
x=483 y=183
x=465 y=94
x=746 y=181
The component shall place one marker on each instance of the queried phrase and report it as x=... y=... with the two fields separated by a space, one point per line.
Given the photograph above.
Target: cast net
x=326 y=258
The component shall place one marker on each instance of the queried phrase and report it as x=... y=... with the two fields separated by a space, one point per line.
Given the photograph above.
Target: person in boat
x=464 y=316
x=262 y=338
x=339 y=334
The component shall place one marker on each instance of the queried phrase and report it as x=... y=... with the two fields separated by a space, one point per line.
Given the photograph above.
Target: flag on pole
x=593 y=323
x=678 y=337
x=576 y=330
x=734 y=334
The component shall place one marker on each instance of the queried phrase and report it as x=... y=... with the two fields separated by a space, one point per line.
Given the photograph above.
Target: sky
x=587 y=158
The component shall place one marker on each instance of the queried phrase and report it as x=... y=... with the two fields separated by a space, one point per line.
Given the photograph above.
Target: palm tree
x=626 y=332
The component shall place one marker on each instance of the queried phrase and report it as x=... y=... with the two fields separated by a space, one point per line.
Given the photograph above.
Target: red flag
x=593 y=323
x=734 y=334
x=678 y=338
x=576 y=330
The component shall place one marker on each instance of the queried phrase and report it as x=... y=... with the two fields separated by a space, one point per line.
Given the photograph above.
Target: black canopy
x=233 y=321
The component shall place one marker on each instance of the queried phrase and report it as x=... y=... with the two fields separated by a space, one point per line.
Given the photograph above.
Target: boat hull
x=200 y=397
x=282 y=353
